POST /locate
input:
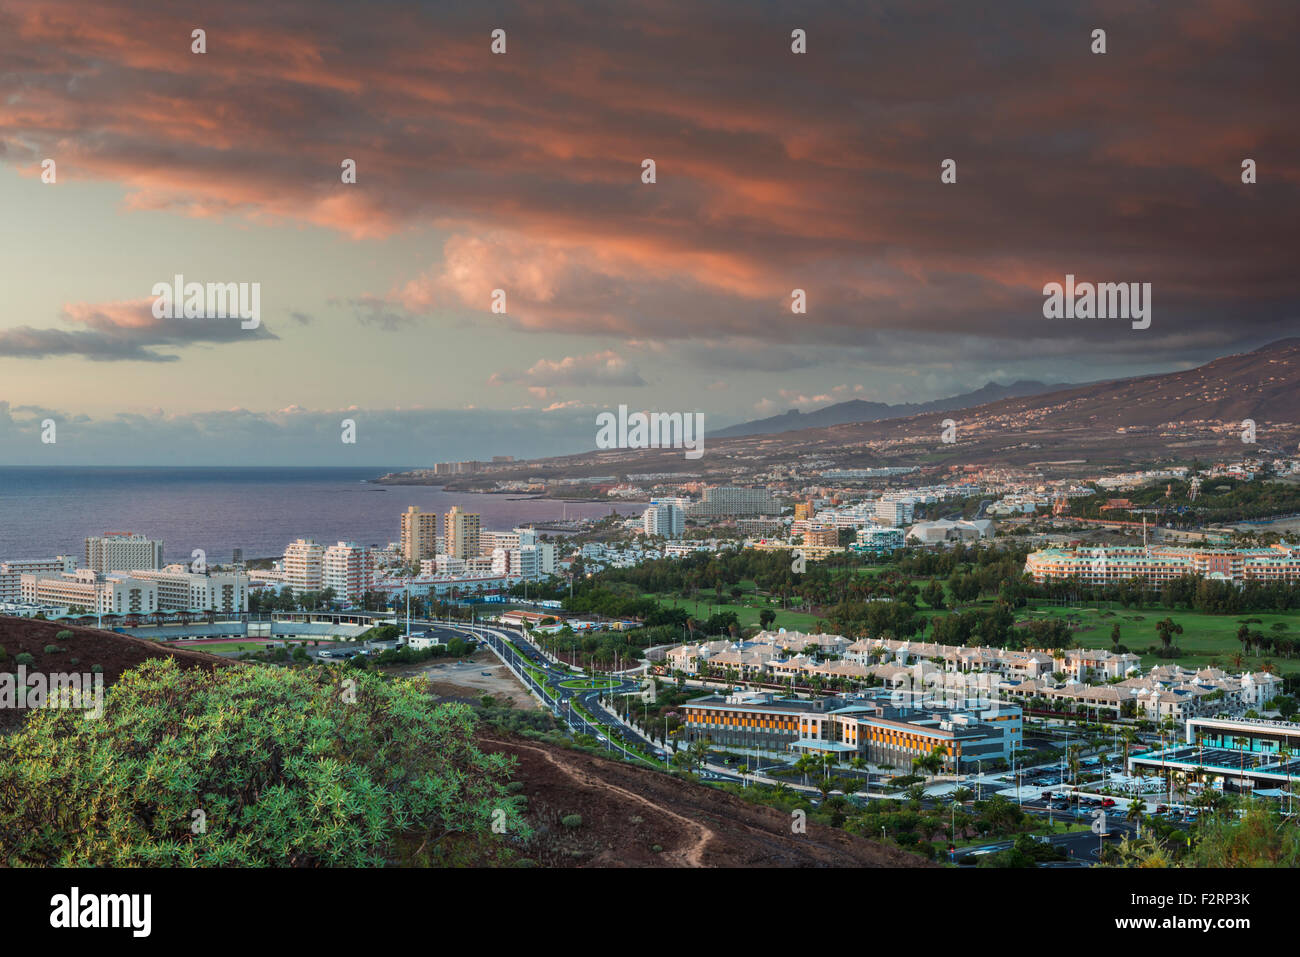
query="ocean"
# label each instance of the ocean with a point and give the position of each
(50, 511)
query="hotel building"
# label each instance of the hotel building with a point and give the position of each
(11, 573)
(1241, 754)
(97, 593)
(725, 500)
(869, 726)
(122, 551)
(189, 591)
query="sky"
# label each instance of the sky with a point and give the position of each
(523, 171)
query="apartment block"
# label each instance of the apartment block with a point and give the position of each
(664, 520)
(419, 534)
(461, 533)
(304, 565)
(349, 569)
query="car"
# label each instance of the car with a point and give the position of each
(486, 674)
(1108, 802)
(1161, 808)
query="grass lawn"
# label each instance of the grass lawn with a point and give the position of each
(746, 612)
(217, 646)
(1204, 636)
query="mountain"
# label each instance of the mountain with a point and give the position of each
(860, 410)
(1171, 417)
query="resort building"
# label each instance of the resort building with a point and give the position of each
(1103, 566)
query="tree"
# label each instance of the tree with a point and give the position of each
(1166, 629)
(262, 748)
(765, 618)
(699, 752)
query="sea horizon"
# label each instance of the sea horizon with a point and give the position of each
(47, 511)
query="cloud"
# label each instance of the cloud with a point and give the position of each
(122, 331)
(297, 434)
(605, 368)
(775, 171)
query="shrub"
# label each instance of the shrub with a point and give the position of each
(74, 661)
(3, 654)
(97, 669)
(64, 635)
(53, 649)
(288, 773)
(572, 821)
(24, 658)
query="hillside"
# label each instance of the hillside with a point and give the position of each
(627, 811)
(860, 410)
(86, 648)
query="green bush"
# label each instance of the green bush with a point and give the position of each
(287, 770)
(572, 821)
(64, 635)
(24, 658)
(3, 654)
(97, 669)
(54, 649)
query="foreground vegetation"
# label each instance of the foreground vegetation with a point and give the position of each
(248, 766)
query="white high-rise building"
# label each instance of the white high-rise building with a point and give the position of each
(527, 561)
(668, 521)
(419, 534)
(349, 569)
(895, 512)
(122, 551)
(303, 565)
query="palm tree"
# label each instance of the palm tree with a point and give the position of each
(1135, 814)
(804, 764)
(699, 751)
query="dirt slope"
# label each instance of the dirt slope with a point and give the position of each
(626, 811)
(87, 647)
